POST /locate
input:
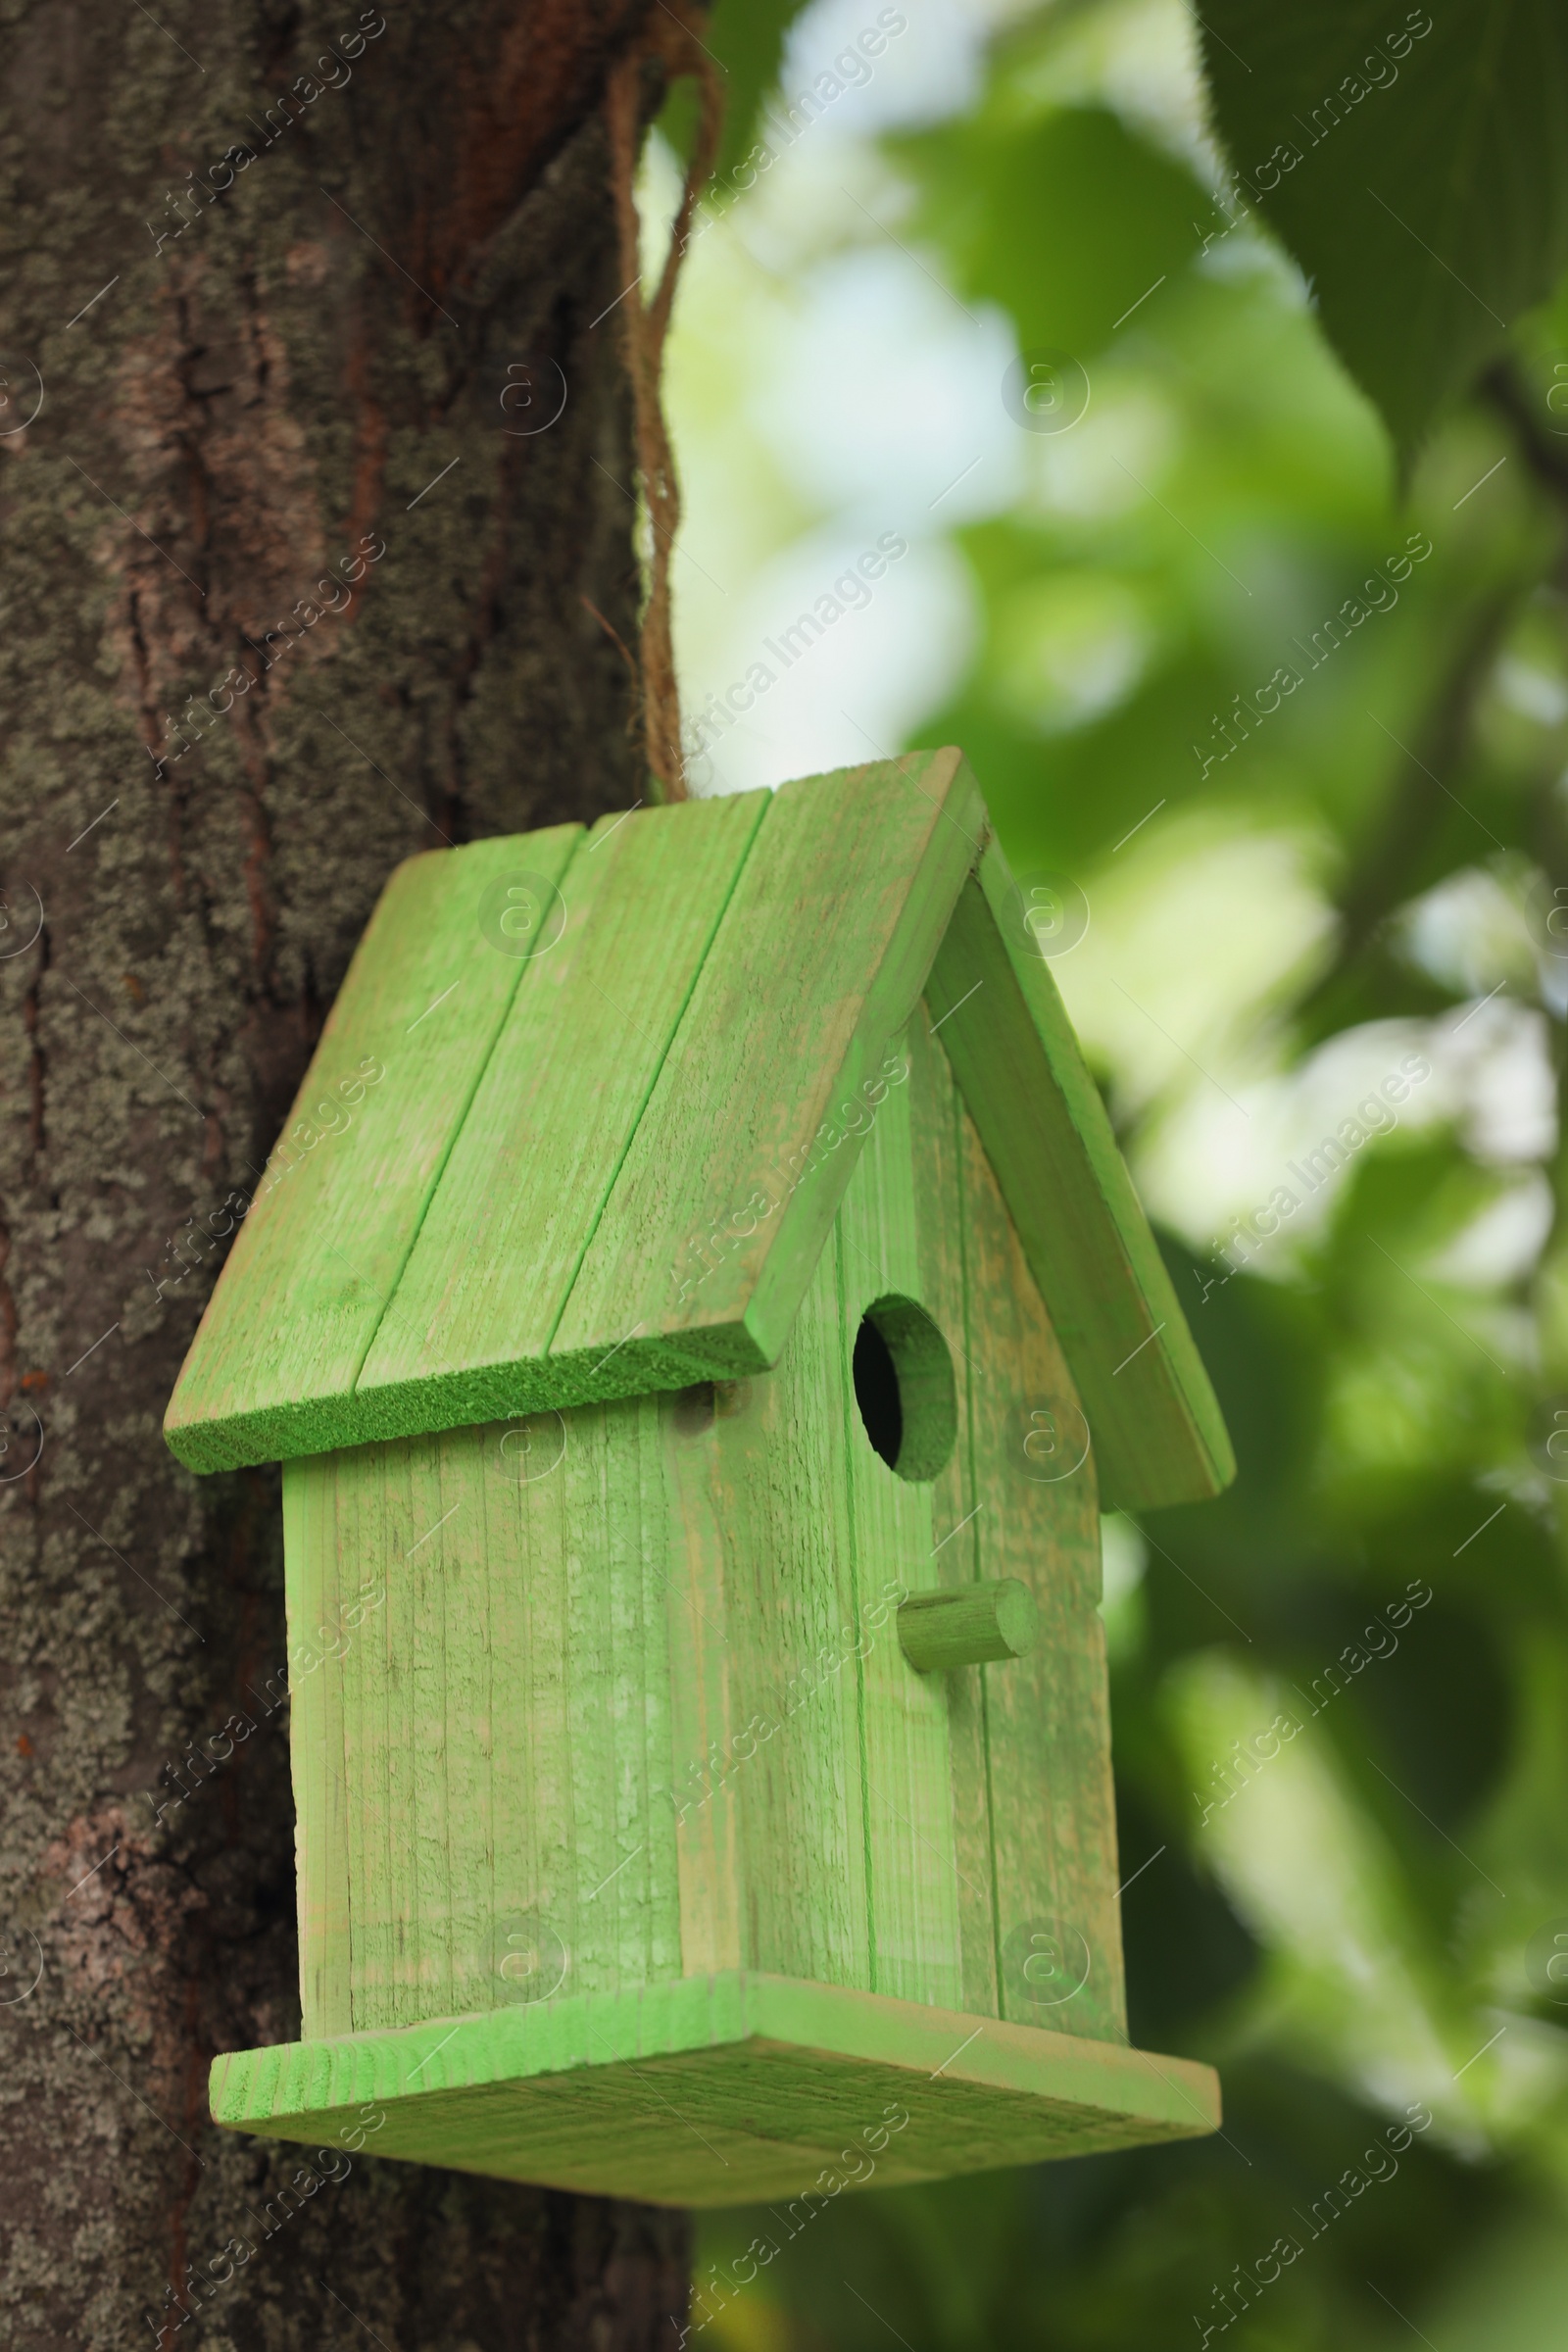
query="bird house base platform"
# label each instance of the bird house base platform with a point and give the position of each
(715, 2091)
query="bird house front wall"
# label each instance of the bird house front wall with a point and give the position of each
(615, 1696)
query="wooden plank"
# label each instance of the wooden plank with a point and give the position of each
(916, 1943)
(1157, 1433)
(716, 2091)
(372, 1745)
(621, 1923)
(709, 1742)
(523, 1545)
(720, 1213)
(271, 1368)
(480, 1755)
(381, 1517)
(323, 1872)
(794, 1769)
(1048, 1718)
(939, 1229)
(421, 1907)
(527, 1181)
(461, 1610)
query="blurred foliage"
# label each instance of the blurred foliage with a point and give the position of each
(746, 40)
(1437, 210)
(1286, 902)
(996, 191)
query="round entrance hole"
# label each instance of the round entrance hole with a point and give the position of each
(904, 1389)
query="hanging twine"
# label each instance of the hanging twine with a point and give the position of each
(670, 42)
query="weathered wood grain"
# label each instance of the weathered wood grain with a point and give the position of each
(709, 1742)
(1158, 1431)
(781, 1489)
(483, 1750)
(882, 1253)
(323, 1875)
(718, 2090)
(527, 1179)
(607, 1705)
(599, 1172)
(1048, 1721)
(730, 1185)
(574, 1180)
(938, 1631)
(271, 1369)
(954, 1497)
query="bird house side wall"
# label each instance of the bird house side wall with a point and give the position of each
(615, 1697)
(480, 1761)
(1045, 1716)
(991, 1819)
(842, 1817)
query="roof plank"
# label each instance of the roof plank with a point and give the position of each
(728, 1191)
(1156, 1426)
(544, 1178)
(526, 1184)
(271, 1371)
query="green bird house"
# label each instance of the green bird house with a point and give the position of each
(699, 1307)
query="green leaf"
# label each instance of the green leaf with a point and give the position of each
(1415, 163)
(1070, 222)
(746, 40)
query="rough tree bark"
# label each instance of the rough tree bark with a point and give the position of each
(288, 597)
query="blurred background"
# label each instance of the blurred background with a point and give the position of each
(990, 306)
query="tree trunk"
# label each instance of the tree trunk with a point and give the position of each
(301, 579)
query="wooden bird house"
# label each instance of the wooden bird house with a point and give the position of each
(698, 1304)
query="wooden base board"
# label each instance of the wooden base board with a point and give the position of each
(726, 2089)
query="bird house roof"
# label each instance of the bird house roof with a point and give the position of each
(583, 1113)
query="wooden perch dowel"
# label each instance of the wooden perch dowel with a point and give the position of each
(968, 1628)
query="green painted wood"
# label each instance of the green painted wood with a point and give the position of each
(629, 1888)
(730, 1189)
(938, 1631)
(425, 1907)
(271, 1368)
(1048, 1718)
(795, 1768)
(1157, 1433)
(527, 1181)
(912, 1868)
(480, 1756)
(316, 1631)
(676, 1204)
(614, 1701)
(954, 1513)
(572, 1183)
(715, 2091)
(709, 1741)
